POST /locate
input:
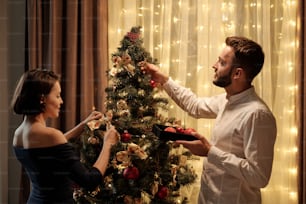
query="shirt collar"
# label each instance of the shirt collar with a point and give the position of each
(242, 95)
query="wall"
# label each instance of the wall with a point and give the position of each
(3, 105)
(12, 39)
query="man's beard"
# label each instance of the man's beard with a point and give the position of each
(226, 80)
(223, 81)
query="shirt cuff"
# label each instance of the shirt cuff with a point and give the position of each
(214, 155)
(167, 82)
(169, 85)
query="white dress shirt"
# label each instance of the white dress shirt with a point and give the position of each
(240, 160)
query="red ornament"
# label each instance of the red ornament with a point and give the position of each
(125, 137)
(162, 192)
(153, 83)
(131, 173)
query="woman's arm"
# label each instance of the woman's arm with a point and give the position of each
(111, 137)
(77, 130)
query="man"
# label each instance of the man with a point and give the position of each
(240, 153)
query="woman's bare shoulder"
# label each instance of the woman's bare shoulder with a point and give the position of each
(41, 136)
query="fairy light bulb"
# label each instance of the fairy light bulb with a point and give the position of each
(293, 195)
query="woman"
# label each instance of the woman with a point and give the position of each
(52, 163)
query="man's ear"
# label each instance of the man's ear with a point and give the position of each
(238, 72)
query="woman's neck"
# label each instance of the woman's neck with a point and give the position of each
(35, 119)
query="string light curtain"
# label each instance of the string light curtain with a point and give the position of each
(187, 36)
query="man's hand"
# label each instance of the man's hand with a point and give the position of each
(154, 71)
(199, 147)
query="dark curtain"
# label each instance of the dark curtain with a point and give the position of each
(302, 74)
(70, 38)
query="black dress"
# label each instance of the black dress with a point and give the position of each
(53, 170)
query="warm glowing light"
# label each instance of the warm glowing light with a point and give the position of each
(227, 7)
(290, 111)
(293, 171)
(200, 28)
(293, 88)
(293, 130)
(178, 81)
(224, 17)
(206, 86)
(294, 149)
(292, 44)
(293, 195)
(292, 23)
(175, 19)
(290, 2)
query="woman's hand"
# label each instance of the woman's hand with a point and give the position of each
(77, 130)
(111, 136)
(94, 115)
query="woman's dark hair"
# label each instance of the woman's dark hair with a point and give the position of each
(248, 55)
(31, 88)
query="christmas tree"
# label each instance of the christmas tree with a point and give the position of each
(142, 168)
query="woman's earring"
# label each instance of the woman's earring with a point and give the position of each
(42, 104)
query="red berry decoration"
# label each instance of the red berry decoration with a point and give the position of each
(153, 83)
(131, 173)
(162, 192)
(125, 137)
